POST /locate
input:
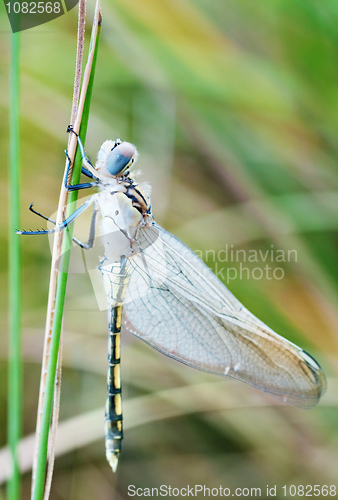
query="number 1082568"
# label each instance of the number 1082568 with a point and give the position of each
(34, 7)
(309, 490)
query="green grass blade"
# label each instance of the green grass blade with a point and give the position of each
(15, 362)
(59, 302)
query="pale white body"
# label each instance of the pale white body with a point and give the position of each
(119, 224)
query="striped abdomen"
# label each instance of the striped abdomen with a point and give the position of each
(113, 415)
(115, 279)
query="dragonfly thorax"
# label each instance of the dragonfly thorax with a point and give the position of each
(119, 224)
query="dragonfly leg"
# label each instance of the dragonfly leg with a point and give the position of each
(113, 414)
(91, 237)
(77, 187)
(40, 215)
(88, 174)
(66, 222)
(85, 160)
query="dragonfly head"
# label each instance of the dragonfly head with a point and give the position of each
(120, 158)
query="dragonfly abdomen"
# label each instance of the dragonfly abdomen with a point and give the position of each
(115, 279)
(113, 413)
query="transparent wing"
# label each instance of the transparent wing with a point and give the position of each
(176, 304)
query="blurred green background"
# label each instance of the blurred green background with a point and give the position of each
(234, 109)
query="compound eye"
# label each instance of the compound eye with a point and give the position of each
(120, 158)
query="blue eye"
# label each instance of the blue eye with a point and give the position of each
(120, 158)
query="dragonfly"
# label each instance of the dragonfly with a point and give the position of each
(162, 292)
